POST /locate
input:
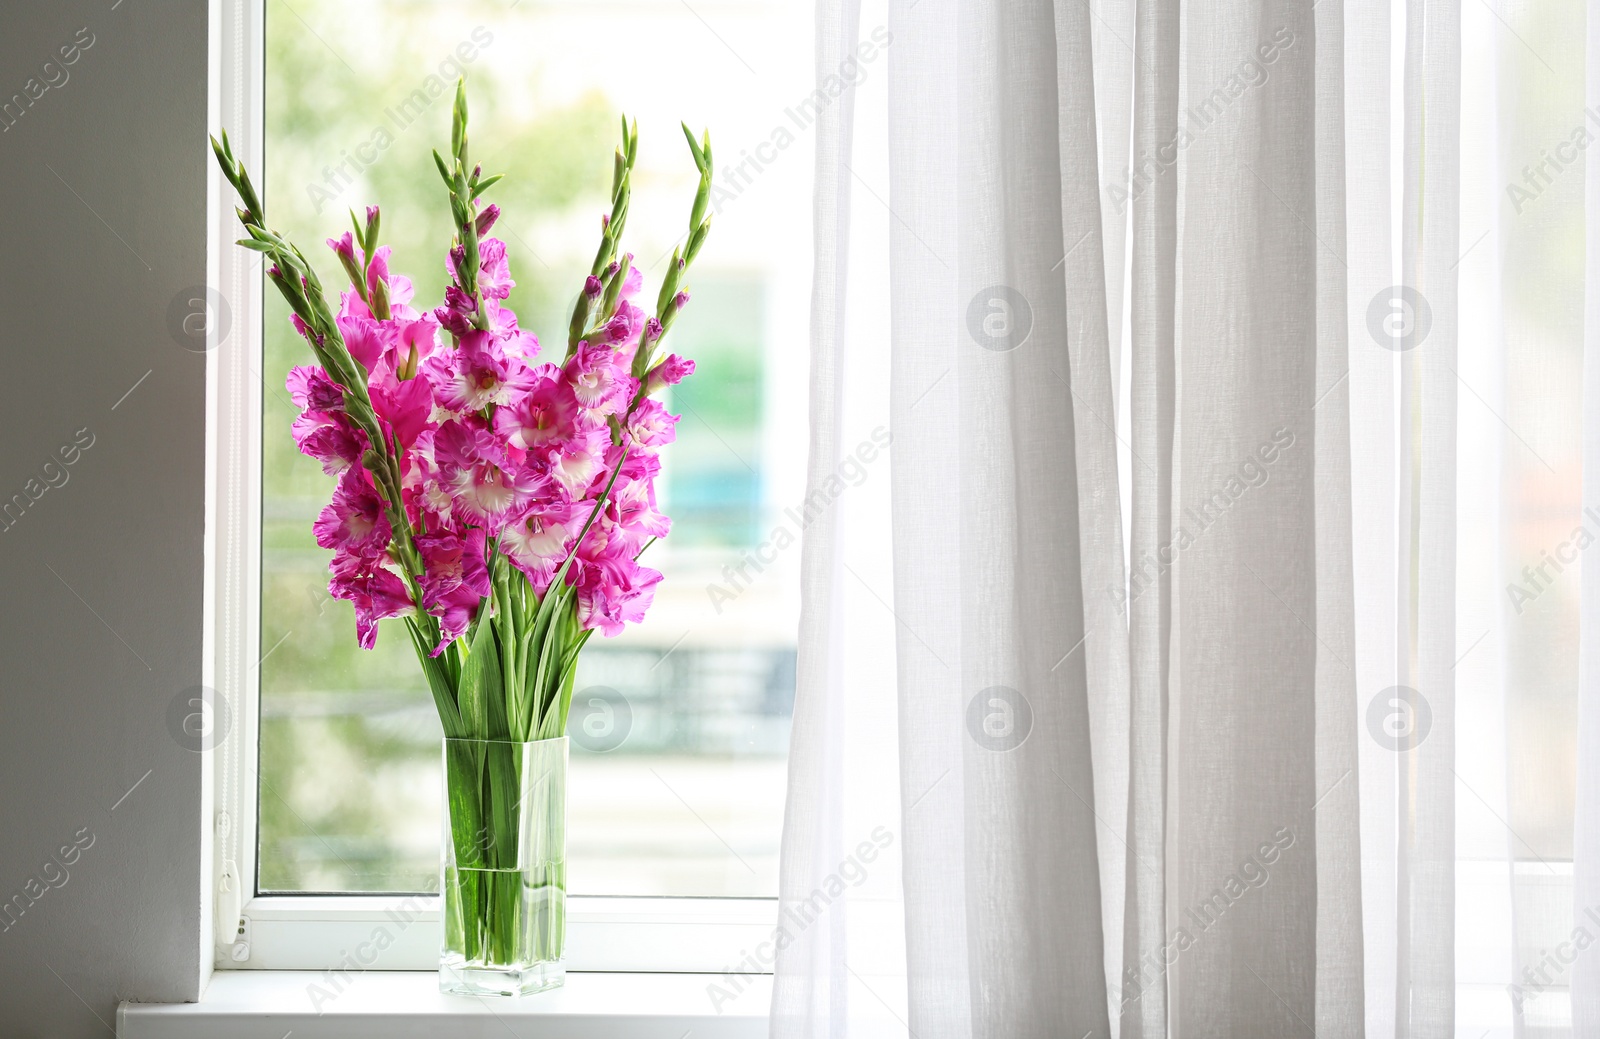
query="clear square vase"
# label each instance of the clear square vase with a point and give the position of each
(503, 869)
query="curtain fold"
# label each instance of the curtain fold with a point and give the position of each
(1430, 248)
(1242, 761)
(1142, 995)
(809, 993)
(1340, 999)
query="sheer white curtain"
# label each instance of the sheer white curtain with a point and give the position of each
(1127, 704)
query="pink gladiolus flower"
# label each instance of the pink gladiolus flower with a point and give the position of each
(425, 495)
(311, 389)
(519, 345)
(597, 381)
(353, 521)
(474, 468)
(474, 375)
(622, 332)
(454, 580)
(580, 462)
(494, 274)
(415, 342)
(399, 286)
(640, 465)
(453, 560)
(456, 314)
(404, 406)
(330, 439)
(650, 424)
(669, 372)
(612, 597)
(633, 510)
(366, 338)
(624, 326)
(376, 594)
(537, 541)
(345, 247)
(489, 445)
(633, 282)
(547, 414)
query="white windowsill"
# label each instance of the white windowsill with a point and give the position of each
(409, 1005)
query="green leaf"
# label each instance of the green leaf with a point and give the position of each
(569, 671)
(458, 120)
(437, 673)
(694, 146)
(463, 785)
(481, 687)
(549, 652)
(486, 183)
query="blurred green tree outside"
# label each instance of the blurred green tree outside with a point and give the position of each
(354, 105)
(323, 120)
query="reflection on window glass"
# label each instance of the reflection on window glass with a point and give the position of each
(680, 726)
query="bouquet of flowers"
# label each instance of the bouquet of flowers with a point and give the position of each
(495, 499)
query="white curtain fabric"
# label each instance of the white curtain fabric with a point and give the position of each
(1164, 683)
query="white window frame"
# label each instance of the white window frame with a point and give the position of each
(342, 931)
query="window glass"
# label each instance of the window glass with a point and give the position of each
(680, 726)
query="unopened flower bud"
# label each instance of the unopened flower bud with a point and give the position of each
(680, 300)
(652, 330)
(344, 246)
(671, 371)
(487, 218)
(591, 286)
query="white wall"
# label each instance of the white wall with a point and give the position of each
(102, 192)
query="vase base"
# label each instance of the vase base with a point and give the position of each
(461, 979)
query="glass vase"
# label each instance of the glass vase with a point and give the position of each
(503, 869)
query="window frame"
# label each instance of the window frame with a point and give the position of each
(310, 931)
